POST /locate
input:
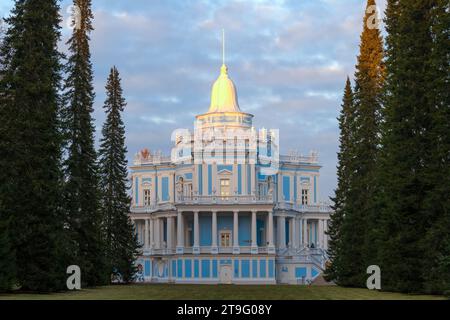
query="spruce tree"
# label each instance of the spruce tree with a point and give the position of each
(82, 194)
(406, 143)
(120, 236)
(31, 218)
(436, 244)
(335, 269)
(7, 255)
(360, 209)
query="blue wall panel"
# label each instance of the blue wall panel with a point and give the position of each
(200, 179)
(286, 188)
(136, 190)
(188, 268)
(260, 224)
(288, 231)
(236, 268)
(180, 268)
(224, 223)
(271, 269)
(174, 268)
(206, 269)
(300, 272)
(165, 189)
(147, 268)
(245, 268)
(210, 179)
(214, 268)
(205, 223)
(239, 178)
(245, 230)
(295, 188)
(255, 268)
(262, 268)
(196, 268)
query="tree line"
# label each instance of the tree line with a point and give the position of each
(62, 202)
(392, 202)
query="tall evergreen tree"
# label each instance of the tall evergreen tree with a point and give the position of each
(436, 244)
(7, 255)
(31, 218)
(412, 163)
(82, 188)
(121, 240)
(360, 212)
(336, 271)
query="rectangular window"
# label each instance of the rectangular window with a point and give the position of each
(225, 238)
(187, 190)
(224, 187)
(147, 197)
(305, 199)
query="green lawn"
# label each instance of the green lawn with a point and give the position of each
(219, 292)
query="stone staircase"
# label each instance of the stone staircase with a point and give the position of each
(320, 281)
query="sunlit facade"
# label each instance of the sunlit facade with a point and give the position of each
(225, 207)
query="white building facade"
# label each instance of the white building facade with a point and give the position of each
(225, 207)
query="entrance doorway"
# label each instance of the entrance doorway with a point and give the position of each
(225, 274)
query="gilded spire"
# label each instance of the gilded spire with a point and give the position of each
(223, 93)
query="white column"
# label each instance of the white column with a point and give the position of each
(196, 248)
(214, 248)
(254, 248)
(305, 232)
(253, 177)
(270, 227)
(236, 232)
(157, 233)
(151, 237)
(326, 236)
(146, 234)
(320, 235)
(161, 232)
(169, 231)
(281, 232)
(294, 233)
(180, 232)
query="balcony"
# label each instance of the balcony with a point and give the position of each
(205, 250)
(237, 199)
(321, 208)
(153, 207)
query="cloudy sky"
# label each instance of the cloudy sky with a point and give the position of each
(288, 58)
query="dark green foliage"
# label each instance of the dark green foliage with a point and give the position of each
(344, 170)
(31, 218)
(82, 194)
(437, 169)
(414, 171)
(356, 213)
(120, 237)
(394, 210)
(7, 257)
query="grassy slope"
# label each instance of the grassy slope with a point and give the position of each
(219, 292)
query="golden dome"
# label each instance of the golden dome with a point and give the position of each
(223, 94)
